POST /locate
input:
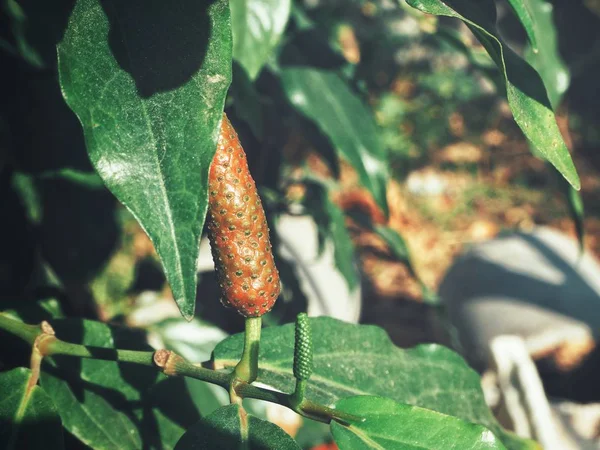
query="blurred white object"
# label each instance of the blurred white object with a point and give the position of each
(523, 393)
(555, 425)
(426, 183)
(534, 285)
(323, 285)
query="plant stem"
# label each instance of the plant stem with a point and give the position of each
(298, 395)
(247, 369)
(44, 343)
(26, 332)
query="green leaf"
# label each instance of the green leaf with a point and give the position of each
(331, 225)
(109, 405)
(395, 242)
(390, 425)
(354, 360)
(85, 179)
(257, 27)
(547, 60)
(400, 250)
(522, 10)
(230, 428)
(246, 101)
(576, 210)
(325, 98)
(19, 25)
(525, 90)
(28, 418)
(148, 82)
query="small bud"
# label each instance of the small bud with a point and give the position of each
(303, 350)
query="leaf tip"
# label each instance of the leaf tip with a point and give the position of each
(186, 308)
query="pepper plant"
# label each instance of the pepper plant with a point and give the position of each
(148, 81)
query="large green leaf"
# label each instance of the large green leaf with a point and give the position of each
(148, 82)
(354, 360)
(109, 405)
(394, 426)
(231, 428)
(257, 26)
(322, 96)
(525, 89)
(28, 418)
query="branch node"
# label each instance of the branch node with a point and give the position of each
(167, 361)
(47, 328)
(161, 357)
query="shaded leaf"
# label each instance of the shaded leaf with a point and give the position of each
(18, 22)
(110, 405)
(84, 179)
(400, 250)
(17, 243)
(325, 98)
(36, 27)
(547, 60)
(148, 82)
(28, 418)
(354, 360)
(91, 418)
(395, 242)
(576, 210)
(230, 428)
(331, 227)
(392, 425)
(246, 101)
(525, 90)
(522, 10)
(257, 26)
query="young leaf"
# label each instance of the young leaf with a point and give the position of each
(18, 23)
(361, 360)
(400, 250)
(230, 428)
(331, 225)
(547, 60)
(525, 90)
(28, 418)
(109, 405)
(395, 426)
(522, 10)
(246, 100)
(148, 82)
(257, 26)
(325, 98)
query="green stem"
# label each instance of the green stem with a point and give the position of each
(175, 365)
(298, 395)
(26, 332)
(247, 369)
(58, 347)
